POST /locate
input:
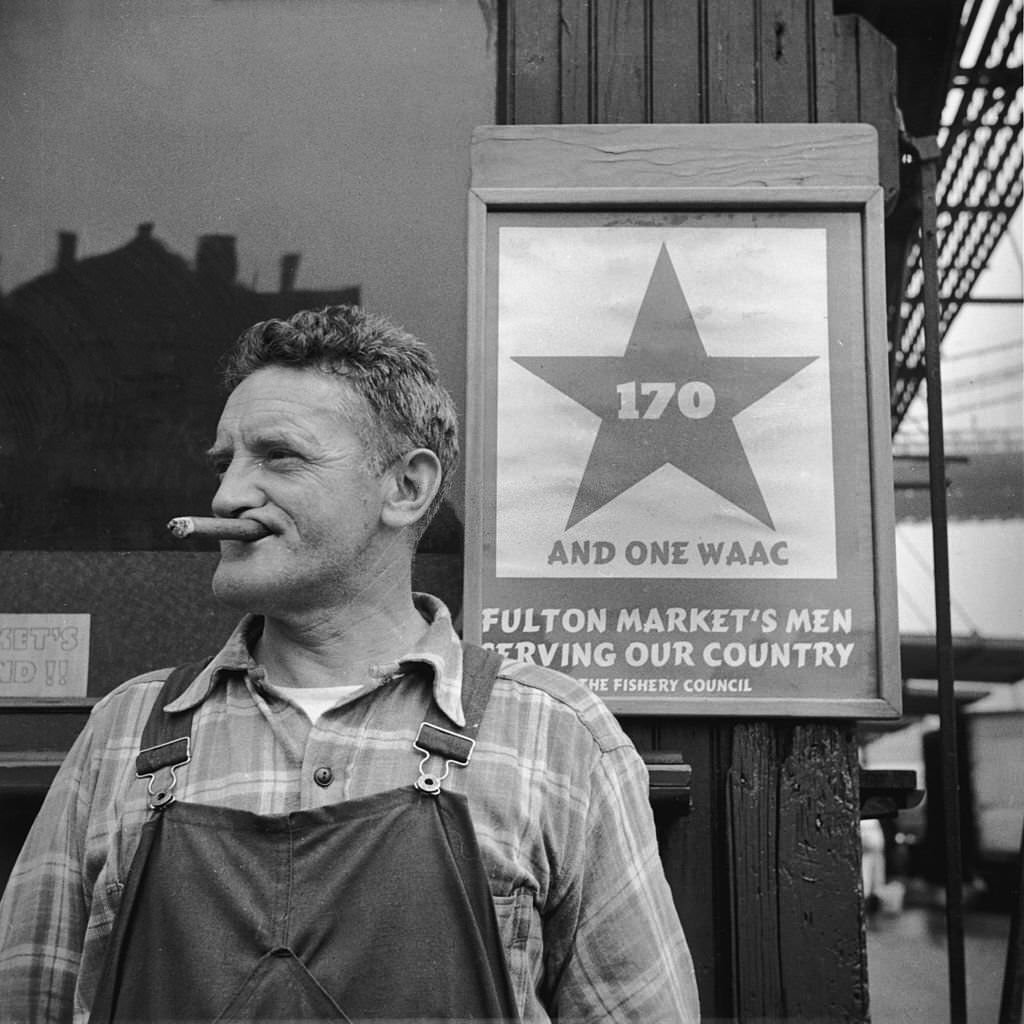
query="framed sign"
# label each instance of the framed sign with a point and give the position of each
(679, 478)
(44, 656)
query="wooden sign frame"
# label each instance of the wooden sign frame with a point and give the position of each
(764, 588)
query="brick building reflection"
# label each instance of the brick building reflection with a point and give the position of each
(109, 393)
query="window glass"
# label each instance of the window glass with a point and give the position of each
(173, 172)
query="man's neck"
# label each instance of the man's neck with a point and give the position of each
(347, 645)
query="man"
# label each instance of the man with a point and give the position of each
(344, 815)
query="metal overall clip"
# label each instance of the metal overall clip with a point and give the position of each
(451, 747)
(159, 763)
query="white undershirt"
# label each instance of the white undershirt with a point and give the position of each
(314, 700)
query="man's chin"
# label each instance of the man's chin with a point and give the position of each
(235, 589)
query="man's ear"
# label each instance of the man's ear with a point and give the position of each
(412, 483)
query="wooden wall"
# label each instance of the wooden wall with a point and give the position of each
(766, 868)
(697, 62)
(655, 61)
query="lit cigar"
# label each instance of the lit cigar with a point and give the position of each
(218, 529)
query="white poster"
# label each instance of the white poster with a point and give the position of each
(663, 403)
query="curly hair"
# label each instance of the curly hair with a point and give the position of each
(393, 372)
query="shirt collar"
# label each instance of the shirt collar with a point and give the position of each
(438, 652)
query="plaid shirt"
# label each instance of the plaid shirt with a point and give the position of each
(557, 793)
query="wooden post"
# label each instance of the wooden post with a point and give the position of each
(766, 868)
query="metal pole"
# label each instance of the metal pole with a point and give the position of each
(1011, 1005)
(928, 155)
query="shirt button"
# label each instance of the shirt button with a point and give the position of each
(323, 776)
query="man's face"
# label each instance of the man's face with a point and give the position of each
(289, 457)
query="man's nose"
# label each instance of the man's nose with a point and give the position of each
(238, 489)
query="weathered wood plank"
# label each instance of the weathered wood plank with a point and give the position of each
(755, 156)
(692, 848)
(751, 793)
(620, 63)
(677, 85)
(823, 58)
(793, 814)
(866, 91)
(732, 62)
(823, 966)
(847, 70)
(529, 72)
(576, 56)
(785, 62)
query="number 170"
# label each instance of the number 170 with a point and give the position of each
(694, 398)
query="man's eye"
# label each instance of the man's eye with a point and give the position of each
(278, 455)
(219, 466)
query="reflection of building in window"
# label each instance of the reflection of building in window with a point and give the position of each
(109, 391)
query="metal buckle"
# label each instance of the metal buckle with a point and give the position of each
(162, 774)
(429, 782)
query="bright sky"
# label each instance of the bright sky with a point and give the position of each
(982, 358)
(983, 396)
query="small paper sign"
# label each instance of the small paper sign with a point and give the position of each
(44, 656)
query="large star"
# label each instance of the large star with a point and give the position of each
(665, 401)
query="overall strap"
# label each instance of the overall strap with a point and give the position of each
(166, 739)
(436, 737)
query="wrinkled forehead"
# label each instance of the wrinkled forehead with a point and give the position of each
(309, 397)
(335, 385)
